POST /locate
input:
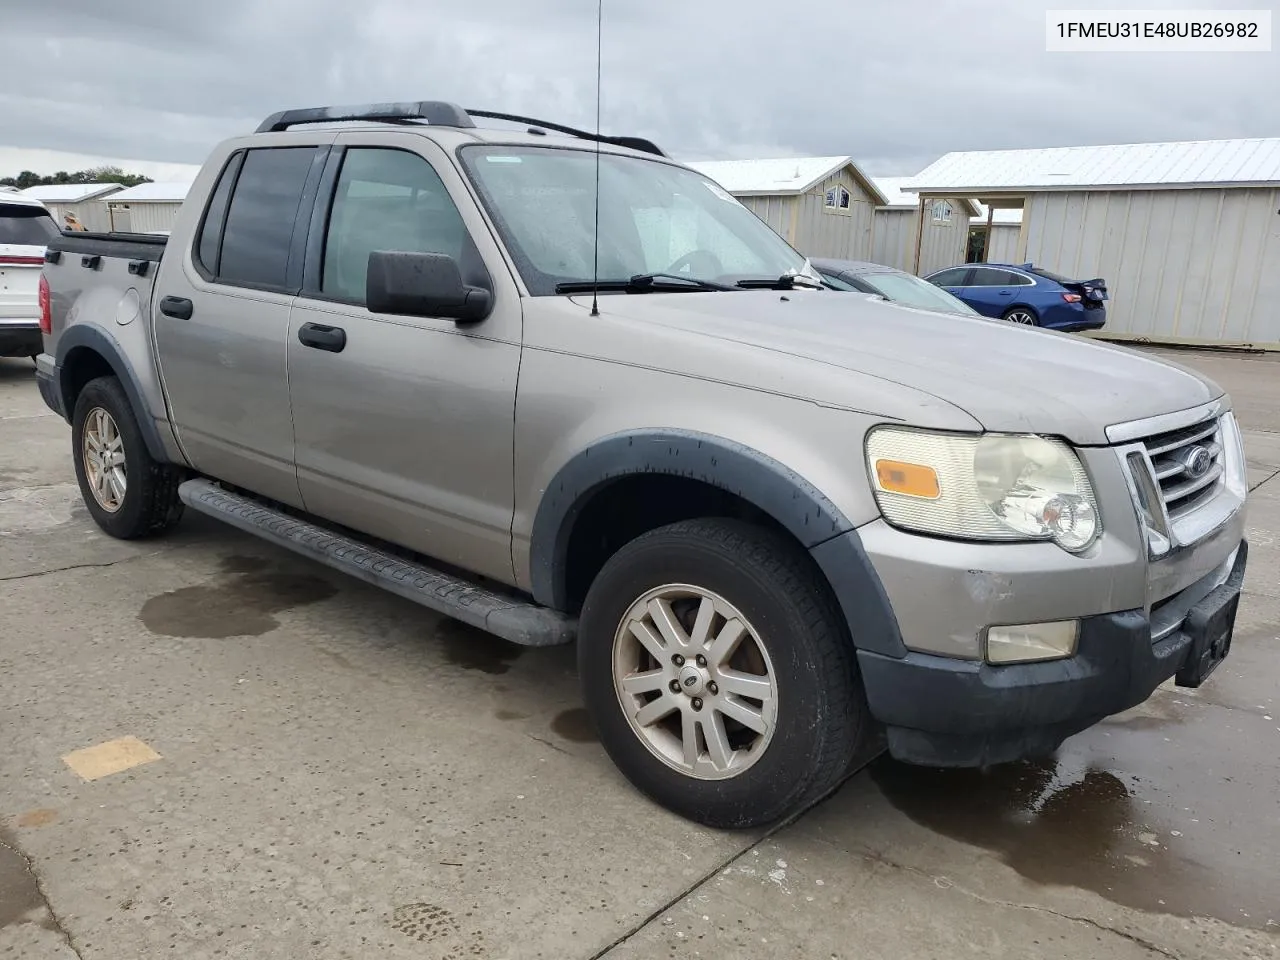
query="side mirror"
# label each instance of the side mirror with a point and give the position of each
(423, 285)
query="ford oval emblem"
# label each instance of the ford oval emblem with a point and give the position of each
(1196, 462)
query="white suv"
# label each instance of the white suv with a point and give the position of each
(25, 229)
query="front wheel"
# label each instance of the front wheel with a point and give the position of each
(129, 493)
(1022, 315)
(718, 673)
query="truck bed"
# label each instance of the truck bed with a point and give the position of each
(131, 246)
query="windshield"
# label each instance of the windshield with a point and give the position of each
(914, 292)
(24, 225)
(654, 218)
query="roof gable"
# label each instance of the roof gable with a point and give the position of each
(784, 176)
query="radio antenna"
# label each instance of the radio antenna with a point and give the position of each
(595, 253)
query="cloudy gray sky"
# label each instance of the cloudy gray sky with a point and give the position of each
(894, 84)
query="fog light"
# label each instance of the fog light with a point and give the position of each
(1025, 642)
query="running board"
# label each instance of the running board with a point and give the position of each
(506, 617)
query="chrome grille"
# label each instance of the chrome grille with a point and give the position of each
(1188, 465)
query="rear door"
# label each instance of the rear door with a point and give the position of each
(222, 319)
(990, 290)
(404, 425)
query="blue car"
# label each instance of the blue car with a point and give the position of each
(1027, 294)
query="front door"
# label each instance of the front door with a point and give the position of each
(405, 428)
(222, 321)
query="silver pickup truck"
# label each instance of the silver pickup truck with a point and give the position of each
(563, 388)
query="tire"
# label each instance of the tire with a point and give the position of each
(817, 721)
(1023, 316)
(149, 503)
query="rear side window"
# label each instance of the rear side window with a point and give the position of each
(26, 226)
(260, 220)
(215, 215)
(986, 277)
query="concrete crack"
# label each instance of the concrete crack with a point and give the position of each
(80, 566)
(1267, 480)
(44, 898)
(1035, 907)
(548, 743)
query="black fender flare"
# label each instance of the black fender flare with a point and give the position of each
(800, 507)
(93, 338)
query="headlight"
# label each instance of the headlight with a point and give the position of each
(988, 487)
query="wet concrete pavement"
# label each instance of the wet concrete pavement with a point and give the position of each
(342, 774)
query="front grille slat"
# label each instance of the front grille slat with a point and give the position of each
(1170, 454)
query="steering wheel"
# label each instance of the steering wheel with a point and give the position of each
(700, 263)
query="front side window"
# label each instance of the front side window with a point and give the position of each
(949, 278)
(389, 200)
(654, 218)
(260, 219)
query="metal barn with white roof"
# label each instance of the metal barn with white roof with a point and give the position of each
(1186, 234)
(147, 208)
(81, 200)
(897, 226)
(822, 206)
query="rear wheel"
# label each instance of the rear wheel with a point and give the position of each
(128, 492)
(718, 673)
(1022, 315)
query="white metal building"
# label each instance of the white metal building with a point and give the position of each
(1006, 227)
(1186, 235)
(894, 230)
(822, 206)
(147, 208)
(81, 200)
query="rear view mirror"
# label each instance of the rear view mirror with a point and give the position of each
(423, 285)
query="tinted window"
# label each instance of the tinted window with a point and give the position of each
(986, 277)
(215, 215)
(949, 278)
(1050, 275)
(385, 200)
(28, 226)
(255, 243)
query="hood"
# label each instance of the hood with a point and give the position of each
(1007, 377)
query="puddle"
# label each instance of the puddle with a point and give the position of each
(238, 563)
(38, 818)
(1071, 822)
(575, 725)
(20, 899)
(473, 649)
(242, 605)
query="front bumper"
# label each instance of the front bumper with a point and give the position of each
(940, 711)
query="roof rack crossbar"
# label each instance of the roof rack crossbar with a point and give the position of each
(437, 112)
(632, 143)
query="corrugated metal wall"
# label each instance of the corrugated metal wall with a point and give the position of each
(1181, 265)
(1004, 243)
(823, 232)
(894, 240)
(147, 217)
(91, 213)
(775, 211)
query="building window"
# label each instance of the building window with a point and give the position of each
(838, 198)
(941, 211)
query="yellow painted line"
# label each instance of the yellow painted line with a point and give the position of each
(114, 756)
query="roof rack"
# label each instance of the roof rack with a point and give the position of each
(632, 143)
(436, 112)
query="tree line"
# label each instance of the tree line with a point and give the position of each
(104, 174)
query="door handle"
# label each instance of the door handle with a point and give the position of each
(177, 307)
(1006, 293)
(317, 335)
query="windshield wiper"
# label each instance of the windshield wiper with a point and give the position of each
(788, 281)
(641, 283)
